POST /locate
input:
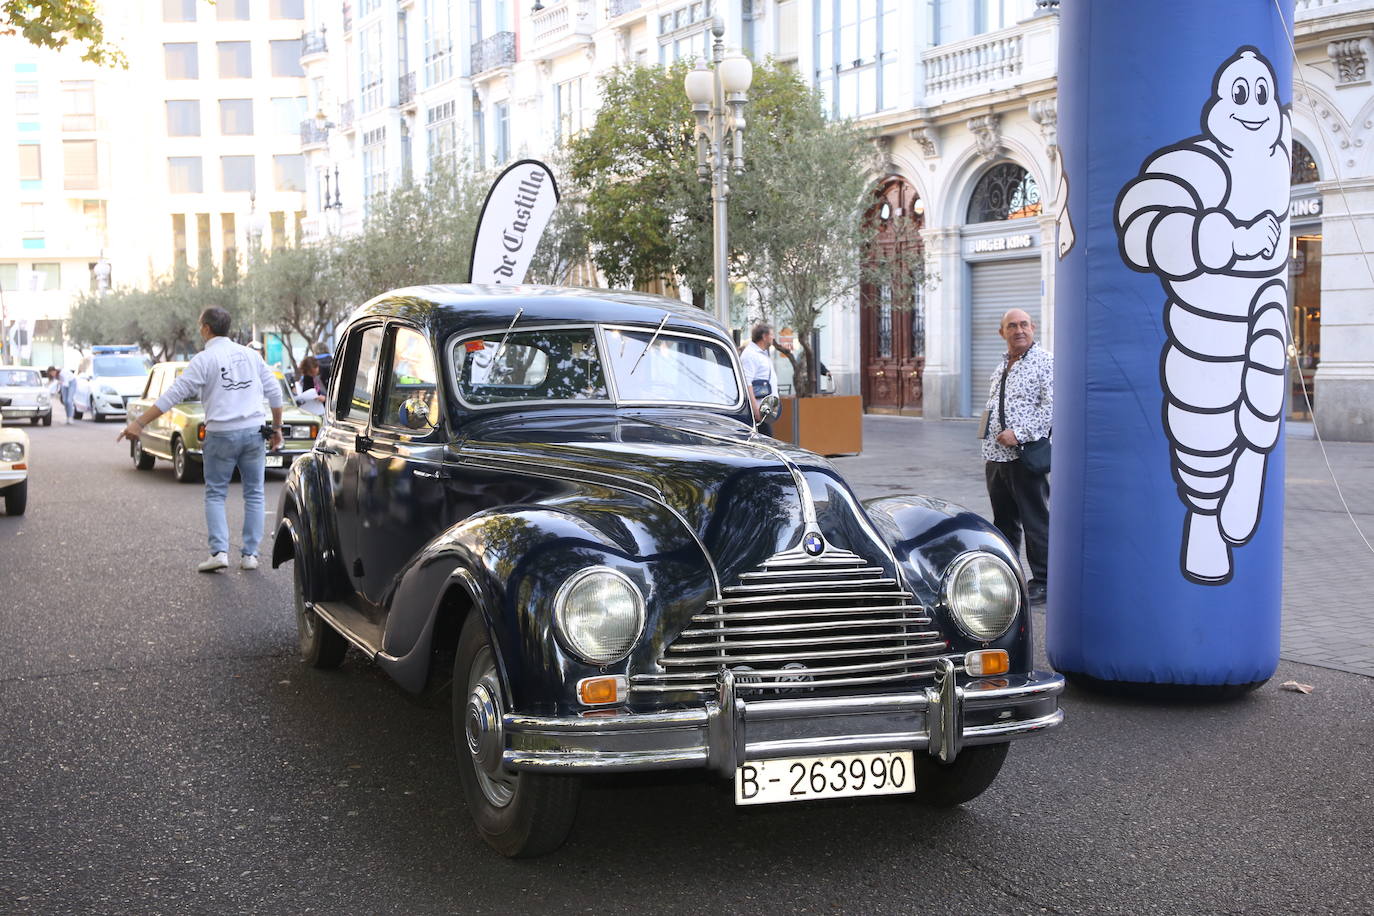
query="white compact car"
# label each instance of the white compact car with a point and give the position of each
(27, 392)
(14, 469)
(108, 379)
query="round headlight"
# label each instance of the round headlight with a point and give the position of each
(11, 451)
(600, 613)
(983, 593)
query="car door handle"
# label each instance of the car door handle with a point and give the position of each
(362, 443)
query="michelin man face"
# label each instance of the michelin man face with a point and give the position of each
(1244, 114)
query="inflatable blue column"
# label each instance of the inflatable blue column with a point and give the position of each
(1166, 544)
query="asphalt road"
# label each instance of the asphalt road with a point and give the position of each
(163, 751)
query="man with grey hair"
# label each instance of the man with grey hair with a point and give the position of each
(231, 382)
(1020, 409)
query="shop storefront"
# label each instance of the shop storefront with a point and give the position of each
(1304, 279)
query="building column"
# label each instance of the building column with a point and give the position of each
(945, 321)
(1343, 385)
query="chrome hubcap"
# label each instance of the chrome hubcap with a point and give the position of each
(482, 731)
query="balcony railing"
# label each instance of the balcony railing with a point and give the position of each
(620, 7)
(985, 63)
(312, 134)
(346, 115)
(405, 89)
(313, 43)
(493, 51)
(569, 19)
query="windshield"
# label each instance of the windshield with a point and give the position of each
(677, 369)
(19, 378)
(541, 365)
(120, 365)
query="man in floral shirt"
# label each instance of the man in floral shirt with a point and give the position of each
(1020, 410)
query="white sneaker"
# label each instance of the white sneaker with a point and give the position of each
(216, 562)
(248, 561)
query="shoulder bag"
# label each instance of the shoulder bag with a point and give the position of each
(1035, 455)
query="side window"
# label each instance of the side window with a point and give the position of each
(153, 388)
(360, 375)
(411, 399)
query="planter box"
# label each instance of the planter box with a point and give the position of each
(829, 425)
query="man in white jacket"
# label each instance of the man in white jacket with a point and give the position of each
(231, 381)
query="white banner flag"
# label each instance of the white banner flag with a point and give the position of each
(517, 210)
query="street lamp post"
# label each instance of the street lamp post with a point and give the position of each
(718, 95)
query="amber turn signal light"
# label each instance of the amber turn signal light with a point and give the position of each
(200, 432)
(987, 662)
(598, 691)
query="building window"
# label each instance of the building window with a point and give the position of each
(501, 113)
(78, 105)
(236, 117)
(79, 165)
(991, 15)
(235, 60)
(31, 219)
(438, 41)
(441, 133)
(184, 175)
(288, 172)
(50, 275)
(374, 163)
(368, 7)
(856, 55)
(182, 63)
(30, 162)
(277, 220)
(1304, 166)
(479, 140)
(287, 114)
(95, 215)
(568, 116)
(286, 57)
(1006, 191)
(179, 238)
(26, 97)
(178, 10)
(685, 32)
(232, 10)
(183, 118)
(370, 68)
(203, 250)
(238, 173)
(286, 9)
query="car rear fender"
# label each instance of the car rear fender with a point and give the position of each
(308, 539)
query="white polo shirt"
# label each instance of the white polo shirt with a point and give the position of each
(231, 382)
(756, 363)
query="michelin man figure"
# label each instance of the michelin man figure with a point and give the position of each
(1209, 217)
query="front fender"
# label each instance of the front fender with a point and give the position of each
(926, 535)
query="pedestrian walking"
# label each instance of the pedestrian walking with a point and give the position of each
(759, 373)
(231, 381)
(68, 379)
(309, 389)
(53, 382)
(1019, 412)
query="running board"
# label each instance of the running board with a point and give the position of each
(352, 625)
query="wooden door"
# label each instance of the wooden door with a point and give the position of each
(892, 314)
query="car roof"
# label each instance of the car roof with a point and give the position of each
(460, 307)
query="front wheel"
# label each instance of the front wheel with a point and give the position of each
(519, 814)
(17, 498)
(321, 644)
(47, 421)
(944, 785)
(34, 421)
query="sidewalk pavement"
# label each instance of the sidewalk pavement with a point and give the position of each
(1328, 572)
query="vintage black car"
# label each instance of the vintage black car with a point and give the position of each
(556, 501)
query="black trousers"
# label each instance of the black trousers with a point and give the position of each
(1021, 501)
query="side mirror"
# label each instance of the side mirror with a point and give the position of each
(415, 413)
(769, 408)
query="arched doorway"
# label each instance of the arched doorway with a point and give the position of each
(892, 304)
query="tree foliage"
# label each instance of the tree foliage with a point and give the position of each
(57, 23)
(295, 290)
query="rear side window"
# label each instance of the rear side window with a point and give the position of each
(361, 359)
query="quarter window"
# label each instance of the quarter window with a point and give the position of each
(412, 384)
(365, 355)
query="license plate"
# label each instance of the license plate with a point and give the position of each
(275, 461)
(766, 782)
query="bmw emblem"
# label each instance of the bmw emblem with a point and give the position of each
(813, 544)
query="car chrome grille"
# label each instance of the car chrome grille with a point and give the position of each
(799, 623)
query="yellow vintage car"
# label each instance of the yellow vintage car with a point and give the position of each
(14, 468)
(177, 435)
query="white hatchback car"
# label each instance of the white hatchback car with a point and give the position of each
(14, 469)
(108, 380)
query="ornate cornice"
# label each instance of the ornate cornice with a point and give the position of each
(987, 130)
(1045, 112)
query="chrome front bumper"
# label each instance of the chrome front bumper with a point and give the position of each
(728, 731)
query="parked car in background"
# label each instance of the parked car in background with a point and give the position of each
(27, 392)
(14, 468)
(178, 434)
(556, 502)
(108, 379)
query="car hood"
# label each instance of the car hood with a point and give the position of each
(20, 395)
(745, 497)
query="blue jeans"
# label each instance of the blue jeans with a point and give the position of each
(222, 452)
(69, 397)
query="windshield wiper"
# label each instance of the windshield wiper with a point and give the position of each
(502, 345)
(657, 331)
